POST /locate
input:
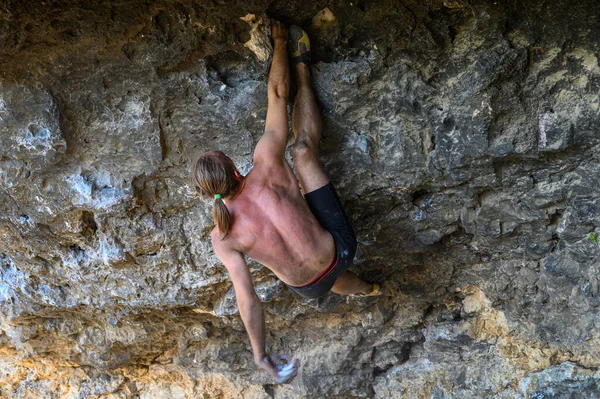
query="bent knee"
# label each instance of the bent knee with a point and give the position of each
(303, 149)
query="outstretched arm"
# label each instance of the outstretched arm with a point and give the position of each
(272, 144)
(251, 312)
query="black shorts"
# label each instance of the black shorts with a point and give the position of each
(327, 208)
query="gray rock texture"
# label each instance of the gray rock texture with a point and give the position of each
(462, 135)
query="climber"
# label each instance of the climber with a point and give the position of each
(305, 240)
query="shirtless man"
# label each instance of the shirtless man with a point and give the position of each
(305, 240)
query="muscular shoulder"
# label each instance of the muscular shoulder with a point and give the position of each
(233, 260)
(272, 171)
(220, 245)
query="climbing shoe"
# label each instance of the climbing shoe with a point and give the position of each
(378, 289)
(299, 45)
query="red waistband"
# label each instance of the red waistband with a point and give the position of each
(324, 274)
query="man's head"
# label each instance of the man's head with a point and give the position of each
(213, 172)
(215, 176)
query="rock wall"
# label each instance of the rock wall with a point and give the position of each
(463, 139)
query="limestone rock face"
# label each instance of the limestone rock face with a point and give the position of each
(462, 136)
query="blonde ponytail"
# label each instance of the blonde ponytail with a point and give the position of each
(213, 175)
(221, 216)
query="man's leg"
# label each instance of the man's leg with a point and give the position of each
(349, 283)
(307, 126)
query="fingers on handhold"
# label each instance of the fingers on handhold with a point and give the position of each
(286, 374)
(285, 370)
(288, 368)
(284, 367)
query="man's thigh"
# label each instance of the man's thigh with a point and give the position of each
(309, 169)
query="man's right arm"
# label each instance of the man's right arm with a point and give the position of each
(271, 146)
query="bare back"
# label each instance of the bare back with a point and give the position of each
(273, 225)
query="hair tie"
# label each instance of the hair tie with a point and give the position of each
(217, 196)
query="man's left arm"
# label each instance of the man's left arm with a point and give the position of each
(251, 311)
